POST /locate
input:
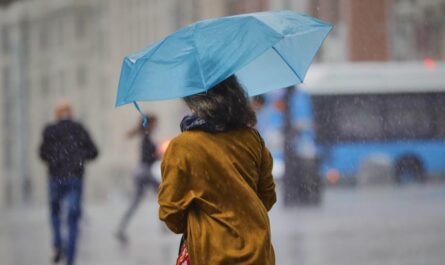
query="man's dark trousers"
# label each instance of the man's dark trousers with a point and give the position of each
(65, 190)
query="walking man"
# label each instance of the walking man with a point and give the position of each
(65, 148)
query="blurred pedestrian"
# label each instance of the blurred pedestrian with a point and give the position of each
(217, 183)
(66, 147)
(143, 177)
(258, 102)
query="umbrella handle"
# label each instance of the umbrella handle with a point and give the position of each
(145, 123)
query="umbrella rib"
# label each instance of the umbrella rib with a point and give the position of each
(197, 58)
(140, 67)
(288, 65)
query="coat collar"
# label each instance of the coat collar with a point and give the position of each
(192, 122)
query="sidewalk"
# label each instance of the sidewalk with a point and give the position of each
(354, 226)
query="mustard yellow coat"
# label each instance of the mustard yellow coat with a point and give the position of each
(217, 189)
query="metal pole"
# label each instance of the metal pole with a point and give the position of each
(290, 174)
(23, 119)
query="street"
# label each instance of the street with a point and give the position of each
(378, 225)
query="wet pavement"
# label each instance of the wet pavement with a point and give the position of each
(380, 225)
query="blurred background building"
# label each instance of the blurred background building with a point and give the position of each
(73, 49)
(382, 30)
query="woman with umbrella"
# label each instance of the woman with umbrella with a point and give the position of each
(216, 175)
(217, 181)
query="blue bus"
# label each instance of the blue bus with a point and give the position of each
(366, 120)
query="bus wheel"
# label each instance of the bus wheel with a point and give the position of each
(408, 169)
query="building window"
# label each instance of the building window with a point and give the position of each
(62, 83)
(43, 36)
(5, 36)
(81, 27)
(82, 76)
(44, 84)
(334, 7)
(6, 80)
(186, 12)
(7, 123)
(60, 33)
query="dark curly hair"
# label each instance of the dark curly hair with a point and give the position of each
(226, 103)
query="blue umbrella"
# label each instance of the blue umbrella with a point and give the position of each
(265, 50)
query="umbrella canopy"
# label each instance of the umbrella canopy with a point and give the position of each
(265, 50)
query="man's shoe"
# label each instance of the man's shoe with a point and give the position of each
(58, 255)
(121, 237)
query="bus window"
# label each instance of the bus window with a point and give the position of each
(324, 119)
(347, 118)
(358, 118)
(408, 117)
(439, 116)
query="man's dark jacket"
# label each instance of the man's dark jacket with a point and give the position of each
(65, 148)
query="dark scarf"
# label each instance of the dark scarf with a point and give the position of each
(192, 122)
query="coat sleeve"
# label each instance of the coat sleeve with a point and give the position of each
(175, 195)
(46, 147)
(266, 184)
(89, 148)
